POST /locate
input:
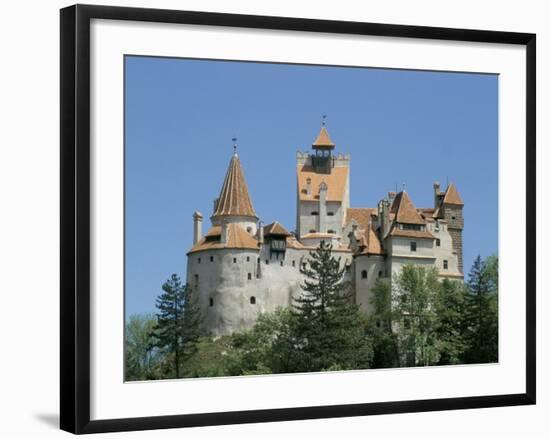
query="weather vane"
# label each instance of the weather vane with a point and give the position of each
(234, 139)
(324, 122)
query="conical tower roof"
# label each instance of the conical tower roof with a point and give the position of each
(234, 197)
(452, 196)
(323, 140)
(404, 210)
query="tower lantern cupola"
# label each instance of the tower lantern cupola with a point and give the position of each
(323, 146)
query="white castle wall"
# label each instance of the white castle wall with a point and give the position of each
(375, 267)
(227, 283)
(445, 250)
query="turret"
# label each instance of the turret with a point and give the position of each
(323, 146)
(234, 204)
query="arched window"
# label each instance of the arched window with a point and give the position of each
(252, 300)
(211, 302)
(364, 274)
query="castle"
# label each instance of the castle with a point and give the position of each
(242, 267)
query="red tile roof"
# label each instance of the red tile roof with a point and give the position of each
(452, 196)
(237, 238)
(404, 210)
(234, 198)
(323, 140)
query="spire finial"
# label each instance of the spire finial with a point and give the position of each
(234, 139)
(403, 186)
(324, 120)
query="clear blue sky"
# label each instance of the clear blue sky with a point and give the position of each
(399, 126)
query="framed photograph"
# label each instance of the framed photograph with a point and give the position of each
(275, 218)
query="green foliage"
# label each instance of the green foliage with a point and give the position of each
(450, 308)
(482, 312)
(379, 327)
(421, 321)
(415, 318)
(417, 321)
(178, 327)
(141, 359)
(328, 327)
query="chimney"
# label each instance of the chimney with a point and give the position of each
(437, 187)
(197, 227)
(261, 232)
(384, 217)
(308, 187)
(223, 237)
(323, 188)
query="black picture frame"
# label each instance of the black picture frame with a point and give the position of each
(75, 217)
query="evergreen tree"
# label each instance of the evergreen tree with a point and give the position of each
(482, 312)
(450, 308)
(179, 322)
(328, 327)
(380, 327)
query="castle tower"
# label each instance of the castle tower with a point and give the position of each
(322, 192)
(234, 204)
(451, 210)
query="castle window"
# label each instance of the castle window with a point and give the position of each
(234, 260)
(294, 263)
(330, 213)
(312, 231)
(379, 274)
(267, 262)
(249, 276)
(445, 264)
(438, 242)
(314, 213)
(411, 227)
(304, 265)
(252, 300)
(249, 229)
(211, 302)
(211, 258)
(413, 246)
(199, 260)
(331, 231)
(281, 263)
(196, 280)
(364, 274)
(453, 217)
(248, 259)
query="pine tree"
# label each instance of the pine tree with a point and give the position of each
(380, 324)
(179, 322)
(329, 328)
(450, 308)
(482, 312)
